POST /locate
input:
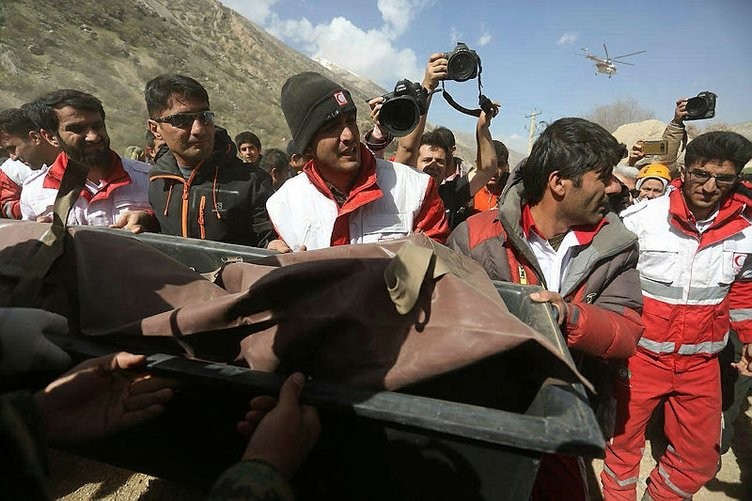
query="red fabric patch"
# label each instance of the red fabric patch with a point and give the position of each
(584, 233)
(117, 177)
(364, 191)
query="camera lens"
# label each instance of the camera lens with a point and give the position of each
(696, 106)
(399, 115)
(462, 66)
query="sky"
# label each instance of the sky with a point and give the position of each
(531, 51)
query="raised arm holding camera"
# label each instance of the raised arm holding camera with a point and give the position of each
(436, 71)
(456, 187)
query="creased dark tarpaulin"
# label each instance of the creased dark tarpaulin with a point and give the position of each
(328, 313)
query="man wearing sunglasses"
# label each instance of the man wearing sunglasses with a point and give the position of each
(114, 193)
(695, 270)
(199, 188)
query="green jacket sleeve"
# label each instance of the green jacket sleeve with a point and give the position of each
(251, 480)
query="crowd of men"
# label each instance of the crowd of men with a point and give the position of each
(649, 270)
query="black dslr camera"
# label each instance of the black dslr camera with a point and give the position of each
(403, 107)
(701, 107)
(462, 63)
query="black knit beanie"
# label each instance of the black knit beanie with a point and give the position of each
(309, 101)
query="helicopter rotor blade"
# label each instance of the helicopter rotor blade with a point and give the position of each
(630, 54)
(622, 62)
(605, 49)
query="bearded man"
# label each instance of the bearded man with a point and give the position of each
(115, 191)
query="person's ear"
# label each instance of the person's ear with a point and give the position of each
(50, 137)
(556, 183)
(154, 128)
(35, 137)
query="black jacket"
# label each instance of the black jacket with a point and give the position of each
(223, 200)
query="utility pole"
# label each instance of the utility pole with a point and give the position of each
(532, 129)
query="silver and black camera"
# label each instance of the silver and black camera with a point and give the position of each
(462, 63)
(701, 107)
(403, 107)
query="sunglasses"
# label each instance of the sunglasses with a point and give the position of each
(702, 177)
(183, 120)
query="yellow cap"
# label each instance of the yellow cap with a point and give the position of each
(655, 170)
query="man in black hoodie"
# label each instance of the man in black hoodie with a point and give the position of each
(198, 186)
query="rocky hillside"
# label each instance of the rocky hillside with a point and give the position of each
(111, 48)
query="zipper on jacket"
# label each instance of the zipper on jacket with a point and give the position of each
(186, 194)
(522, 273)
(201, 218)
(184, 207)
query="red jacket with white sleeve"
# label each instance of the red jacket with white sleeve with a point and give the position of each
(695, 285)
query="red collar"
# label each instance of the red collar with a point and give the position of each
(364, 191)
(726, 223)
(115, 179)
(584, 233)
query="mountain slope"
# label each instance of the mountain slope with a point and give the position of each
(112, 48)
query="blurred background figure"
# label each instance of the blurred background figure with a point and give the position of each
(652, 181)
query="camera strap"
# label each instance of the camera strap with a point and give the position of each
(484, 103)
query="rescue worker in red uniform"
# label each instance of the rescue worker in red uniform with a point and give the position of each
(696, 275)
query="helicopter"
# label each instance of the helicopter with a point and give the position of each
(607, 65)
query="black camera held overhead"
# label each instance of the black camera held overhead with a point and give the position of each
(464, 64)
(402, 108)
(701, 107)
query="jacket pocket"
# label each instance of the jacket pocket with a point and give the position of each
(658, 265)
(381, 227)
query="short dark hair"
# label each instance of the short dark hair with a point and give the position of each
(274, 159)
(247, 137)
(447, 136)
(721, 146)
(573, 146)
(159, 90)
(42, 109)
(435, 139)
(15, 122)
(502, 152)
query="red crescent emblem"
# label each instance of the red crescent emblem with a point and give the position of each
(739, 261)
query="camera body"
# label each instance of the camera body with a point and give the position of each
(462, 63)
(402, 108)
(701, 107)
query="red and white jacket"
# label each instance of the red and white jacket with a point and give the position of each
(695, 286)
(388, 201)
(125, 189)
(13, 174)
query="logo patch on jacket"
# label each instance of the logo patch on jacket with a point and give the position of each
(738, 262)
(340, 97)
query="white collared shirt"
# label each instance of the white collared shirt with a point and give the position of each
(554, 263)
